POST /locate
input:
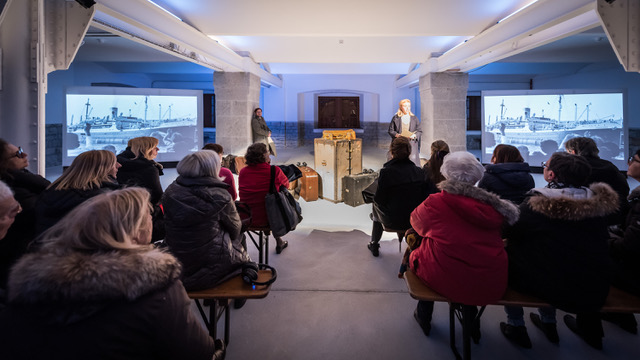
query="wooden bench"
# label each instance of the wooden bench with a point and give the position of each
(617, 301)
(260, 238)
(221, 296)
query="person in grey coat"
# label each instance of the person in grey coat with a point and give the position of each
(261, 131)
(203, 227)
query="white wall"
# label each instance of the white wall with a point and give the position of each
(281, 104)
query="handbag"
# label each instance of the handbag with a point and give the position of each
(283, 211)
(272, 146)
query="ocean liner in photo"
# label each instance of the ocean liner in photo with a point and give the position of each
(545, 129)
(106, 127)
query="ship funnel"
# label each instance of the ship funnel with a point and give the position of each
(527, 112)
(114, 112)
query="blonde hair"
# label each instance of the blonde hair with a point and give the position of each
(202, 163)
(400, 113)
(87, 171)
(109, 221)
(143, 146)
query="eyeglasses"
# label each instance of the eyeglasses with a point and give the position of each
(544, 164)
(632, 159)
(19, 154)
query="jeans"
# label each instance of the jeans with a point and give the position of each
(515, 315)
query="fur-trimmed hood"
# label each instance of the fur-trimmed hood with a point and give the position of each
(598, 200)
(634, 194)
(504, 207)
(88, 278)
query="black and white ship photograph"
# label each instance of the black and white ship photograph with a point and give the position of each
(540, 124)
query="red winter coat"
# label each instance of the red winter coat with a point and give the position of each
(253, 185)
(462, 256)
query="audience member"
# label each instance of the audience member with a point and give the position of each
(225, 174)
(439, 149)
(26, 187)
(253, 184)
(91, 173)
(401, 187)
(507, 175)
(624, 248)
(139, 167)
(96, 289)
(202, 224)
(558, 252)
(9, 208)
(602, 171)
(462, 254)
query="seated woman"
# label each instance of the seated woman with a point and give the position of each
(225, 174)
(26, 187)
(102, 291)
(439, 149)
(253, 183)
(401, 187)
(139, 167)
(507, 175)
(202, 224)
(91, 173)
(462, 255)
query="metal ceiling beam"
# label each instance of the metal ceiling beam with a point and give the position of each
(621, 23)
(141, 21)
(539, 24)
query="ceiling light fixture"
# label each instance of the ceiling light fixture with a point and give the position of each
(165, 10)
(517, 11)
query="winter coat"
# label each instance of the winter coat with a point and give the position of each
(401, 188)
(604, 171)
(140, 172)
(260, 130)
(253, 184)
(558, 248)
(53, 205)
(203, 231)
(118, 304)
(229, 180)
(26, 187)
(462, 255)
(510, 181)
(624, 248)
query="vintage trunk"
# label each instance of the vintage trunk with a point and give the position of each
(352, 186)
(335, 159)
(308, 183)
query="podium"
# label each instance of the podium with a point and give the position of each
(334, 159)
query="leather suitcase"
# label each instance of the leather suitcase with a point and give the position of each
(333, 160)
(239, 163)
(308, 183)
(352, 186)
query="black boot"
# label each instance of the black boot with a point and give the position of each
(374, 247)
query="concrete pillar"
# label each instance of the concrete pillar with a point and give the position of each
(443, 99)
(237, 94)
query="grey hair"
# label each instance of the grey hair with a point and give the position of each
(462, 166)
(5, 191)
(202, 163)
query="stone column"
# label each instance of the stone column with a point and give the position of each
(237, 94)
(443, 99)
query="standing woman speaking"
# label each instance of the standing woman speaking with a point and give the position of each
(405, 123)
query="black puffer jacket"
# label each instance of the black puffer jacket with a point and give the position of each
(604, 171)
(402, 186)
(510, 181)
(140, 172)
(26, 187)
(53, 205)
(203, 230)
(118, 304)
(624, 248)
(558, 248)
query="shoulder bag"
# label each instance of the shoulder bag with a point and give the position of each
(283, 211)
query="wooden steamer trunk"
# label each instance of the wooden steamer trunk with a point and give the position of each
(334, 159)
(352, 186)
